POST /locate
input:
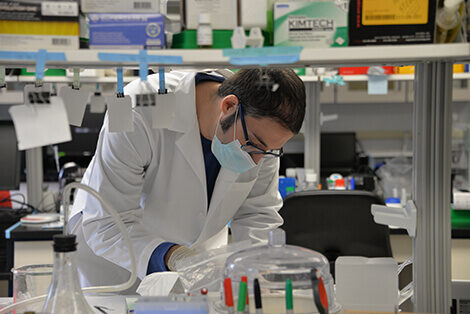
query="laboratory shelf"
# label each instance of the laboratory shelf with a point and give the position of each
(203, 58)
(127, 79)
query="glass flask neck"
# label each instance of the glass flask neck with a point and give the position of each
(65, 294)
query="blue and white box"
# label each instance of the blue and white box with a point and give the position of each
(126, 31)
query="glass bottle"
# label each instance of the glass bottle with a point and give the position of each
(65, 294)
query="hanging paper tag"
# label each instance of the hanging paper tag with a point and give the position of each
(163, 114)
(97, 104)
(120, 117)
(377, 85)
(75, 101)
(41, 124)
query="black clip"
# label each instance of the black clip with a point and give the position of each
(39, 97)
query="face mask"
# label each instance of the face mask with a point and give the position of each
(230, 155)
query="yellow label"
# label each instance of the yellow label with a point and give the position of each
(394, 12)
(39, 28)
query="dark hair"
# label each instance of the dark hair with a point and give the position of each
(286, 104)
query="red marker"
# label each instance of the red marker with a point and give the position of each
(247, 308)
(228, 294)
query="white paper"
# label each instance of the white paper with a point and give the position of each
(157, 284)
(97, 104)
(38, 125)
(75, 101)
(163, 114)
(120, 116)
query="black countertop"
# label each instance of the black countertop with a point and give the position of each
(31, 233)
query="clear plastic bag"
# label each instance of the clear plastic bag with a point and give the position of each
(206, 270)
(395, 176)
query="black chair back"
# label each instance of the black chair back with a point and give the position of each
(335, 223)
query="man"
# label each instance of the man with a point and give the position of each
(177, 188)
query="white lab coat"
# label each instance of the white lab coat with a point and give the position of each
(155, 179)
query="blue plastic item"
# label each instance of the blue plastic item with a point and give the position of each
(392, 200)
(286, 186)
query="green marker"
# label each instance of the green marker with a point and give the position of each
(242, 297)
(289, 297)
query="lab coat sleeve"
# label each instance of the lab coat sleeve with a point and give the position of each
(259, 213)
(117, 173)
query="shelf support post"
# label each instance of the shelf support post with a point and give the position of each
(431, 188)
(312, 127)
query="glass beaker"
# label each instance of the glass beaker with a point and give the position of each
(31, 281)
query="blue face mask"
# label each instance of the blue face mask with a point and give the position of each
(230, 155)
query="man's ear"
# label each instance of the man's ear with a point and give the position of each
(229, 105)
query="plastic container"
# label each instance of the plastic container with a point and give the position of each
(367, 284)
(286, 186)
(204, 31)
(273, 264)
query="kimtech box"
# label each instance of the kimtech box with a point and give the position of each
(35, 24)
(120, 6)
(317, 24)
(385, 22)
(126, 31)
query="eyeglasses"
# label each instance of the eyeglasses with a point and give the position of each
(251, 148)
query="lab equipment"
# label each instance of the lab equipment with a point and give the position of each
(367, 283)
(176, 304)
(31, 281)
(247, 306)
(257, 292)
(289, 297)
(395, 175)
(204, 31)
(448, 21)
(319, 294)
(242, 295)
(65, 295)
(337, 153)
(122, 229)
(10, 160)
(272, 264)
(228, 295)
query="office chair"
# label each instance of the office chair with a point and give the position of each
(335, 223)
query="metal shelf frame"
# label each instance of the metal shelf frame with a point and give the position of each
(432, 126)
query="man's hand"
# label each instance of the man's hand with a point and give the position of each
(177, 253)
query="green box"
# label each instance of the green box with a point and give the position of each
(460, 218)
(317, 24)
(48, 72)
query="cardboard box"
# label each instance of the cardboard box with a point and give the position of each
(126, 31)
(37, 10)
(317, 24)
(386, 22)
(410, 69)
(362, 70)
(224, 13)
(120, 6)
(34, 24)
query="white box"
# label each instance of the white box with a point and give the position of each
(253, 13)
(223, 13)
(367, 284)
(120, 6)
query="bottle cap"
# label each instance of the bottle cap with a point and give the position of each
(204, 18)
(65, 243)
(340, 183)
